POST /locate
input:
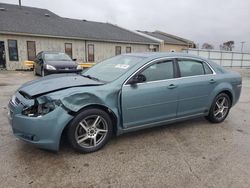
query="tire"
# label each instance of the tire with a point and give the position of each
(90, 130)
(219, 109)
(43, 72)
(34, 71)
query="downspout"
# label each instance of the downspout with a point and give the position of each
(85, 51)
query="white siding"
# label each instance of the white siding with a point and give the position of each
(42, 44)
(103, 50)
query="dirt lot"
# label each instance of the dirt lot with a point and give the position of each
(189, 154)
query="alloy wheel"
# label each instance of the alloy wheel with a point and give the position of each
(91, 131)
(221, 107)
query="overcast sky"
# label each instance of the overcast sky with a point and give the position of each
(212, 21)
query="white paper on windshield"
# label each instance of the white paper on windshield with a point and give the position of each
(122, 66)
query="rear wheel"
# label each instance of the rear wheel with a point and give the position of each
(34, 71)
(219, 109)
(90, 130)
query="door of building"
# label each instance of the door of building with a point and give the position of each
(2, 55)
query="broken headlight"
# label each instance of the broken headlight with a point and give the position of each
(40, 109)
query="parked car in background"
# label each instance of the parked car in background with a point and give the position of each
(122, 94)
(54, 62)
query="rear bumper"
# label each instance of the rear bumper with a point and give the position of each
(44, 131)
(237, 91)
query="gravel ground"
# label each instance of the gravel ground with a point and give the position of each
(190, 154)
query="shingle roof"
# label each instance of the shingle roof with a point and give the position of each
(167, 38)
(29, 20)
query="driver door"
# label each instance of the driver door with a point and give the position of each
(154, 100)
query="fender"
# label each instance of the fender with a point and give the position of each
(224, 86)
(79, 101)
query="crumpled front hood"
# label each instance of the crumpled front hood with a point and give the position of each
(54, 83)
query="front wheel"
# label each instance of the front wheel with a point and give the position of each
(90, 130)
(219, 109)
(34, 71)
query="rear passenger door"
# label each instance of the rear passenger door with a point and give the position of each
(196, 83)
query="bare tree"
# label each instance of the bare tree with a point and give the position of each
(207, 46)
(227, 46)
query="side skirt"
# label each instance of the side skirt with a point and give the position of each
(160, 123)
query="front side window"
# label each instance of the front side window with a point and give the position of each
(68, 49)
(111, 69)
(118, 50)
(159, 71)
(13, 51)
(91, 53)
(31, 50)
(190, 68)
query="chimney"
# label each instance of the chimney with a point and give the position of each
(20, 4)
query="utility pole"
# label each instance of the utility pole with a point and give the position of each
(242, 45)
(20, 3)
(198, 46)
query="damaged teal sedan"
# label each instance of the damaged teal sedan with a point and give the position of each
(122, 94)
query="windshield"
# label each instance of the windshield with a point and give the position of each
(56, 57)
(112, 68)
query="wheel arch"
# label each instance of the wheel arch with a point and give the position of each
(223, 87)
(229, 93)
(106, 109)
(211, 116)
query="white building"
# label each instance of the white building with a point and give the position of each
(169, 42)
(25, 31)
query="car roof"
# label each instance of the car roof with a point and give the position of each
(155, 55)
(163, 54)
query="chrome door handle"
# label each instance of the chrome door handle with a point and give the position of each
(172, 86)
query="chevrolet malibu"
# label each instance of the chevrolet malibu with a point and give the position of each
(119, 95)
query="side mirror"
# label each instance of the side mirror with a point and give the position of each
(137, 79)
(74, 59)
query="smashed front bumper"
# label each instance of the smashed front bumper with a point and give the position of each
(42, 131)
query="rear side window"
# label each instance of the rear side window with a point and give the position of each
(191, 68)
(207, 69)
(159, 71)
